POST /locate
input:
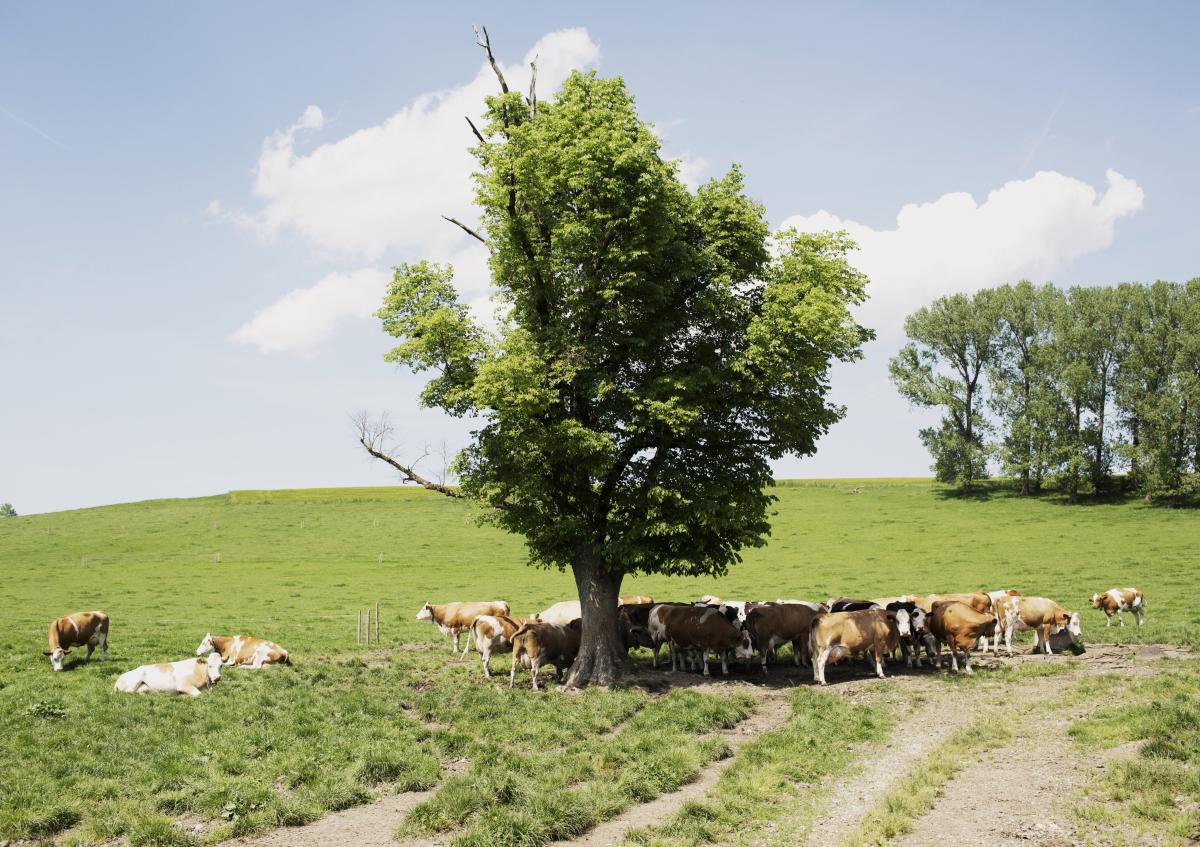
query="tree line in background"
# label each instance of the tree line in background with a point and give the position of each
(1087, 390)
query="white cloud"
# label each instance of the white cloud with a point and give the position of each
(1026, 228)
(385, 187)
(300, 320)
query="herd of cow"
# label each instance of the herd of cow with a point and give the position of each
(187, 676)
(818, 633)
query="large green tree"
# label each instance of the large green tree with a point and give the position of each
(952, 341)
(656, 349)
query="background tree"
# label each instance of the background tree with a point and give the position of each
(656, 349)
(952, 341)
(7, 510)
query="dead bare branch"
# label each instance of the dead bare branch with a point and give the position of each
(371, 435)
(466, 229)
(532, 98)
(475, 130)
(486, 43)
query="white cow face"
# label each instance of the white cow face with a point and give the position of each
(206, 646)
(1073, 626)
(744, 648)
(903, 623)
(917, 621)
(214, 667)
(1095, 601)
(56, 657)
(426, 613)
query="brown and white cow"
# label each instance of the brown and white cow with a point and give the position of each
(836, 635)
(189, 676)
(959, 626)
(453, 619)
(243, 650)
(1044, 617)
(1001, 601)
(494, 634)
(777, 624)
(1118, 600)
(701, 628)
(537, 643)
(80, 629)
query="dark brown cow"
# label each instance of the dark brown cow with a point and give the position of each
(778, 624)
(698, 628)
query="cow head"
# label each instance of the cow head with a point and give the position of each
(214, 667)
(56, 657)
(917, 621)
(426, 613)
(206, 646)
(1073, 626)
(744, 649)
(903, 622)
(1095, 601)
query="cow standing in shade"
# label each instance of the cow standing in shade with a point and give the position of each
(88, 629)
(876, 632)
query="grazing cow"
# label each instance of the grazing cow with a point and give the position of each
(494, 634)
(1040, 615)
(771, 626)
(456, 618)
(698, 628)
(77, 630)
(537, 643)
(243, 650)
(849, 604)
(839, 634)
(189, 676)
(560, 613)
(1118, 600)
(959, 626)
(635, 600)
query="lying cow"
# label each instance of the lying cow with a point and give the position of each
(773, 625)
(959, 626)
(839, 634)
(538, 643)
(698, 628)
(243, 650)
(561, 613)
(454, 619)
(189, 676)
(1041, 616)
(1118, 600)
(88, 629)
(494, 634)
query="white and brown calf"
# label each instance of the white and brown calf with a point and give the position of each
(189, 676)
(243, 650)
(453, 619)
(1115, 601)
(88, 629)
(494, 634)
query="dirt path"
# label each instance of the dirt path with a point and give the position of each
(771, 714)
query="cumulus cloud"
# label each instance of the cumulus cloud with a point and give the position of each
(300, 320)
(1026, 228)
(385, 187)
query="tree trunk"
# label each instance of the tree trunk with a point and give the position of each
(602, 656)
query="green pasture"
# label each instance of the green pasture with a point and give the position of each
(80, 764)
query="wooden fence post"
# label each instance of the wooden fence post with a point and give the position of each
(358, 636)
(376, 621)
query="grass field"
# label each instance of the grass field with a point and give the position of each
(285, 746)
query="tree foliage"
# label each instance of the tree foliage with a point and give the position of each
(656, 347)
(7, 510)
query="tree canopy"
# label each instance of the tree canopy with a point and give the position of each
(656, 348)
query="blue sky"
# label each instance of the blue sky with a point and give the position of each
(189, 246)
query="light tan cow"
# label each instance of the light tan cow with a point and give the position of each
(1043, 617)
(977, 600)
(243, 650)
(838, 634)
(959, 626)
(80, 629)
(561, 613)
(453, 619)
(537, 643)
(1118, 600)
(189, 676)
(634, 600)
(494, 634)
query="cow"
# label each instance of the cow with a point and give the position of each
(80, 629)
(1118, 600)
(1040, 615)
(537, 643)
(698, 628)
(977, 600)
(560, 613)
(243, 650)
(494, 634)
(849, 604)
(959, 626)
(838, 634)
(189, 676)
(456, 618)
(918, 634)
(771, 626)
(635, 600)
(1001, 601)
(635, 626)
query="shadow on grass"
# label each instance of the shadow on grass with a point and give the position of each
(1009, 489)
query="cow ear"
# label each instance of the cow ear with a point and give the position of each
(47, 653)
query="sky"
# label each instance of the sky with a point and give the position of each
(200, 203)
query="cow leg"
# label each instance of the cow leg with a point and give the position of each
(190, 690)
(1008, 634)
(104, 646)
(536, 664)
(1141, 615)
(724, 663)
(1107, 619)
(953, 656)
(91, 647)
(967, 662)
(454, 648)
(512, 677)
(1120, 617)
(485, 654)
(879, 662)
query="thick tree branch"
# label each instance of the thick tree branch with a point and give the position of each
(475, 129)
(486, 43)
(466, 229)
(371, 435)
(532, 98)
